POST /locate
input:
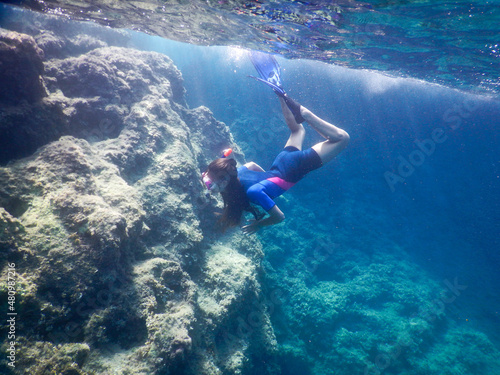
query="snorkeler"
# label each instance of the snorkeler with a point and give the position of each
(250, 184)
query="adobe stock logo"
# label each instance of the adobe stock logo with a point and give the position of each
(453, 117)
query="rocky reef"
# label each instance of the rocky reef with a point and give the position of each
(119, 266)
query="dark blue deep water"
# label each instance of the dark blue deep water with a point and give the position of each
(419, 182)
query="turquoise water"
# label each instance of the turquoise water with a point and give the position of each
(388, 261)
(420, 178)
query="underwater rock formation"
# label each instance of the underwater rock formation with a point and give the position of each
(30, 117)
(22, 68)
(119, 266)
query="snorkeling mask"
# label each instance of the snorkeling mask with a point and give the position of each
(211, 186)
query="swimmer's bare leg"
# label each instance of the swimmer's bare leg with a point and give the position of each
(336, 138)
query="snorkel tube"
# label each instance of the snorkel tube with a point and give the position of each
(226, 152)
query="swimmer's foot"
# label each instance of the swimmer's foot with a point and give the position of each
(292, 104)
(294, 108)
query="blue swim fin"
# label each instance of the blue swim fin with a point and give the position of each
(267, 67)
(269, 70)
(270, 74)
(278, 90)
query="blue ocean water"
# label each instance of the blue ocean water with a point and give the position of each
(422, 168)
(421, 174)
(413, 143)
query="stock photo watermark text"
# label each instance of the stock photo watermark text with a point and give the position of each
(11, 315)
(453, 119)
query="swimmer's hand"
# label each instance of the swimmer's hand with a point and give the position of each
(275, 217)
(251, 228)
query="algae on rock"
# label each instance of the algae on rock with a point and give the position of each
(119, 265)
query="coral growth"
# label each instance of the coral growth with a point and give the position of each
(119, 266)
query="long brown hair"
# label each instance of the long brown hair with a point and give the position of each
(234, 195)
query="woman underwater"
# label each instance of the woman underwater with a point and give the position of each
(250, 183)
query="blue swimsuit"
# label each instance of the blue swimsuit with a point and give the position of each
(289, 167)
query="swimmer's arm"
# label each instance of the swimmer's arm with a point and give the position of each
(254, 167)
(275, 216)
